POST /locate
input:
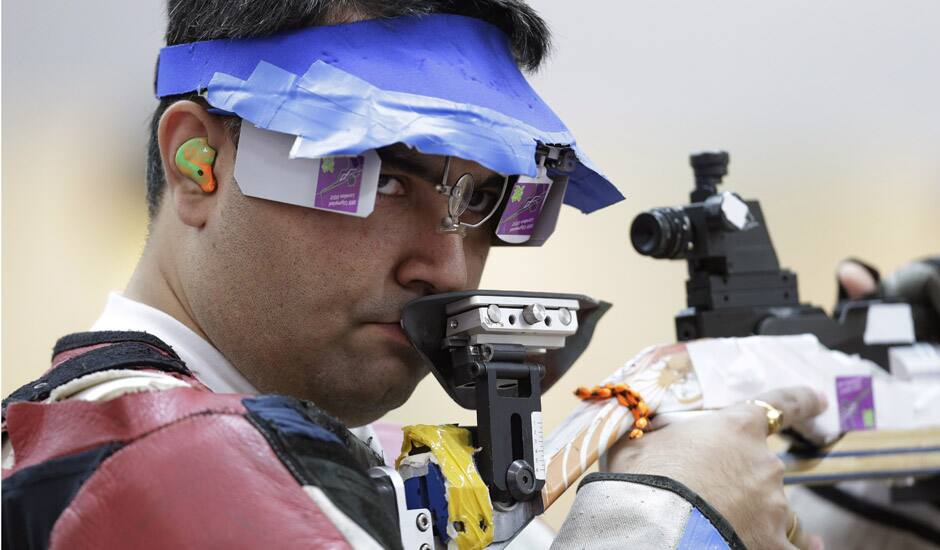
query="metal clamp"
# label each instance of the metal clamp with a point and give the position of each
(414, 525)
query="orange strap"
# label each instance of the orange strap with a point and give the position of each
(626, 396)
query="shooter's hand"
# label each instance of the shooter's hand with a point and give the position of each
(724, 458)
(916, 282)
(856, 280)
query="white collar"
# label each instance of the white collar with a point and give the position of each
(208, 365)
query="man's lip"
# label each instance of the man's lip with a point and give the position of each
(393, 330)
(386, 323)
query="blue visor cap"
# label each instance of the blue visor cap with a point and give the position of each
(443, 84)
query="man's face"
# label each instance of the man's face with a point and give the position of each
(307, 303)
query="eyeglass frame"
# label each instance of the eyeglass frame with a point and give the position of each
(448, 223)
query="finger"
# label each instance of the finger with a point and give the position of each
(810, 542)
(856, 280)
(797, 404)
(803, 540)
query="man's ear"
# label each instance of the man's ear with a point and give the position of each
(190, 167)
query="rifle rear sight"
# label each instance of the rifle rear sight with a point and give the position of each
(736, 286)
(731, 260)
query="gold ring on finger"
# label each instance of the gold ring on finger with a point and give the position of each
(794, 527)
(774, 415)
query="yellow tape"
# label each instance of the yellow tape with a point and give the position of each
(468, 499)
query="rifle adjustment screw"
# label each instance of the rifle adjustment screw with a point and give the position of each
(494, 314)
(534, 313)
(423, 522)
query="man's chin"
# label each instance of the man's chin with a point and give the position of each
(377, 393)
(363, 410)
(362, 378)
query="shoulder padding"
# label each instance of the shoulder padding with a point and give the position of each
(83, 354)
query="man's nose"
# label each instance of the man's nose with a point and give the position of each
(435, 262)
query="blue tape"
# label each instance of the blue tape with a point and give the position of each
(461, 59)
(428, 491)
(700, 534)
(444, 84)
(279, 411)
(342, 114)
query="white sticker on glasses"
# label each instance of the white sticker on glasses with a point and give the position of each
(521, 214)
(264, 169)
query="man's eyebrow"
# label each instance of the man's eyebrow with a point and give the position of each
(495, 180)
(406, 161)
(421, 166)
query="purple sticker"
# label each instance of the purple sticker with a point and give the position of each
(522, 210)
(856, 403)
(338, 183)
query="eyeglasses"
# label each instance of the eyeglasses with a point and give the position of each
(468, 206)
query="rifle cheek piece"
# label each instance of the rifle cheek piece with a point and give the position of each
(494, 352)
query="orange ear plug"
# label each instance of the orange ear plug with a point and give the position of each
(195, 159)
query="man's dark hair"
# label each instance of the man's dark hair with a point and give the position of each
(196, 20)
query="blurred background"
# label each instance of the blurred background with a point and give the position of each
(830, 110)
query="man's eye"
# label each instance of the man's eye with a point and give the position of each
(390, 185)
(483, 200)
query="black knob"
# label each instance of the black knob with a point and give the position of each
(520, 479)
(709, 168)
